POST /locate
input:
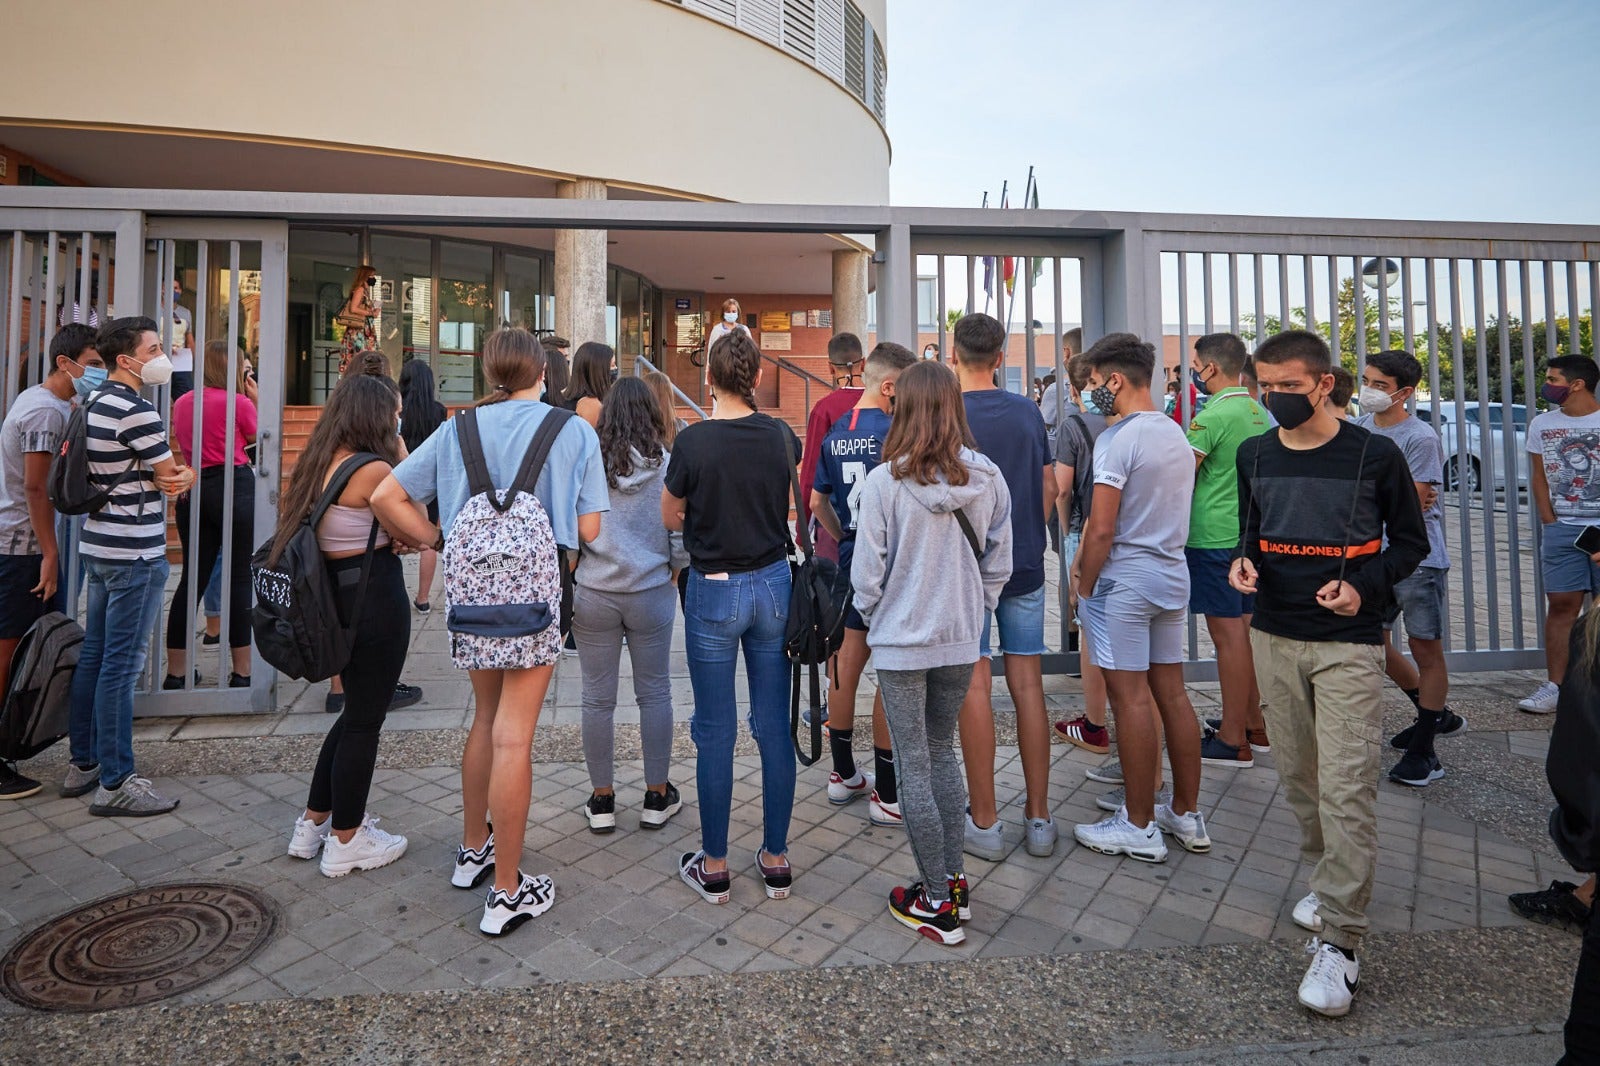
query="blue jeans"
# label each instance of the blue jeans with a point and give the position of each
(749, 609)
(213, 596)
(124, 606)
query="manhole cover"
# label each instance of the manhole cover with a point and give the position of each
(137, 947)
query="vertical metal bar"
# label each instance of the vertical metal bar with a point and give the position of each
(1486, 478)
(1359, 313)
(1551, 350)
(1508, 438)
(938, 311)
(1233, 293)
(1530, 356)
(1030, 364)
(1000, 295)
(1463, 455)
(1309, 281)
(1574, 347)
(1429, 285)
(47, 323)
(972, 299)
(1283, 291)
(1261, 301)
(229, 487)
(1207, 293)
(1061, 404)
(435, 266)
(271, 379)
(1383, 303)
(103, 304)
(13, 353)
(38, 326)
(85, 271)
(1183, 335)
(195, 580)
(1334, 341)
(1405, 319)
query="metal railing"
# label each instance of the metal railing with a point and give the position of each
(643, 366)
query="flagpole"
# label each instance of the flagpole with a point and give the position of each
(988, 286)
(1012, 304)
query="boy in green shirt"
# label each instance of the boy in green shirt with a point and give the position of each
(1229, 417)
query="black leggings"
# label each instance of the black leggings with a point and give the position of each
(344, 768)
(214, 524)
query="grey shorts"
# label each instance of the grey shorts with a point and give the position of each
(1421, 599)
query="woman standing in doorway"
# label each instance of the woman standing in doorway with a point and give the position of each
(728, 323)
(594, 368)
(735, 523)
(423, 413)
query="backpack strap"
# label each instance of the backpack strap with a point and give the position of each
(970, 533)
(794, 485)
(336, 484)
(478, 482)
(538, 451)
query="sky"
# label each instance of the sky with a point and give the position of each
(1473, 110)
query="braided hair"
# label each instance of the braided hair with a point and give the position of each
(734, 365)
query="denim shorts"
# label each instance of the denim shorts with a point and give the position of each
(1021, 625)
(1128, 632)
(19, 607)
(1209, 591)
(1421, 599)
(1566, 566)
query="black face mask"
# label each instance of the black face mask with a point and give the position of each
(1291, 409)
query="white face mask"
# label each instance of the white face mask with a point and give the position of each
(1375, 401)
(730, 317)
(157, 371)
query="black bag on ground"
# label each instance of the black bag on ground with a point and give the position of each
(296, 614)
(818, 602)
(69, 486)
(38, 701)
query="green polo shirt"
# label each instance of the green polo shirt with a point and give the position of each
(1228, 418)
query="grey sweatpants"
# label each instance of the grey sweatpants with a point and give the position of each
(921, 707)
(599, 620)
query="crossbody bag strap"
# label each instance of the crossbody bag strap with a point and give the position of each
(970, 533)
(794, 485)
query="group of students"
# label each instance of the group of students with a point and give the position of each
(1299, 544)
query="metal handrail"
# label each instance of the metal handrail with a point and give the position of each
(643, 366)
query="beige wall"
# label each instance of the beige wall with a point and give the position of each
(631, 91)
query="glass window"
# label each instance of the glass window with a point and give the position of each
(405, 288)
(322, 267)
(628, 311)
(520, 304)
(612, 324)
(647, 320)
(465, 277)
(927, 297)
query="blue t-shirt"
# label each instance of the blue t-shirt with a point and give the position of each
(1010, 430)
(849, 452)
(573, 481)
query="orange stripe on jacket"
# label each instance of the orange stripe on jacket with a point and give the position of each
(1333, 551)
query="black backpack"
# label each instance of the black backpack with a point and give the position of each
(818, 602)
(69, 486)
(38, 700)
(296, 617)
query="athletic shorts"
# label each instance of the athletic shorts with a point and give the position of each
(1566, 566)
(1421, 599)
(19, 607)
(852, 617)
(1209, 591)
(1128, 632)
(1021, 621)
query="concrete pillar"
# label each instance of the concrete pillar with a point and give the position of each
(580, 281)
(850, 293)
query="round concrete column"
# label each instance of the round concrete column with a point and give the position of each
(850, 293)
(580, 281)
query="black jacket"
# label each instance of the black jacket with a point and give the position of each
(1573, 765)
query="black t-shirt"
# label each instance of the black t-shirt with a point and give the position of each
(733, 476)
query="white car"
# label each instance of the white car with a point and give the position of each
(1463, 465)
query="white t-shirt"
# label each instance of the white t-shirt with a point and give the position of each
(1147, 456)
(182, 340)
(1569, 447)
(722, 329)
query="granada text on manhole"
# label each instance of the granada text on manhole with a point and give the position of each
(137, 947)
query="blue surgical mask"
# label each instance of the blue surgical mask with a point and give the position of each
(730, 317)
(1088, 403)
(91, 378)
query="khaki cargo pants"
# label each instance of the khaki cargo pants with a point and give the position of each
(1321, 701)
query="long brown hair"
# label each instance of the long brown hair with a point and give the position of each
(929, 427)
(513, 360)
(214, 372)
(629, 421)
(591, 372)
(666, 405)
(359, 417)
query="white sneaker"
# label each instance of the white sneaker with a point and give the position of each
(503, 913)
(1331, 981)
(1543, 700)
(473, 866)
(309, 837)
(1305, 913)
(1039, 837)
(841, 791)
(369, 849)
(883, 813)
(1118, 836)
(1189, 830)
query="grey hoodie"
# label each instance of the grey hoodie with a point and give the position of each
(917, 583)
(634, 551)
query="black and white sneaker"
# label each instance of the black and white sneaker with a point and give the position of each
(503, 912)
(1451, 724)
(14, 785)
(472, 866)
(659, 807)
(405, 695)
(1417, 771)
(713, 888)
(1331, 980)
(601, 812)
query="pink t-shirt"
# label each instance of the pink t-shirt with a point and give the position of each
(215, 426)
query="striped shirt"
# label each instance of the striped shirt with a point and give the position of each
(126, 441)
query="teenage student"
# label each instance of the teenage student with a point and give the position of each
(931, 555)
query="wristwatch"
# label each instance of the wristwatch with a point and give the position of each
(438, 543)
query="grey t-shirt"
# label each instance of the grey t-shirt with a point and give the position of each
(34, 424)
(1075, 448)
(1148, 457)
(1051, 403)
(1424, 454)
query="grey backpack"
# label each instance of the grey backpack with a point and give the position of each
(39, 698)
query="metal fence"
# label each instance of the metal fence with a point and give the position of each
(1481, 304)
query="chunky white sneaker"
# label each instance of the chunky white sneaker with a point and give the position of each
(883, 813)
(1189, 830)
(1331, 981)
(1118, 836)
(473, 866)
(369, 849)
(1305, 913)
(1039, 837)
(841, 791)
(503, 912)
(1543, 700)
(309, 837)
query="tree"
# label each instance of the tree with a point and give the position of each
(951, 317)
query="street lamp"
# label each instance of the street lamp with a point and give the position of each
(1372, 269)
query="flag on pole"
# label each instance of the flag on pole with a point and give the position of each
(988, 275)
(1011, 274)
(1033, 202)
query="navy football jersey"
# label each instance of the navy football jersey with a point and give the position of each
(849, 452)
